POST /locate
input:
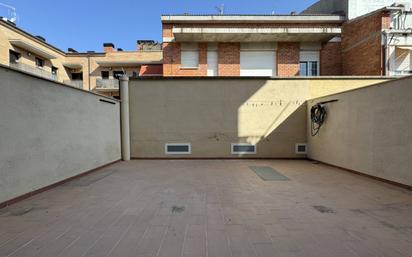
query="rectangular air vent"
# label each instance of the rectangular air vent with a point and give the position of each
(178, 148)
(301, 148)
(243, 148)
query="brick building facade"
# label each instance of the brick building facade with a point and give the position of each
(231, 33)
(378, 43)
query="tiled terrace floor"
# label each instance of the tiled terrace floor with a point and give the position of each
(212, 208)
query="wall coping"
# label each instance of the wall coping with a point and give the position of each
(265, 78)
(5, 67)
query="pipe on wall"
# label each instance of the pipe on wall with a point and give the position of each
(124, 117)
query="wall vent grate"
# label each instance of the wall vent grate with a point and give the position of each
(301, 148)
(178, 148)
(243, 148)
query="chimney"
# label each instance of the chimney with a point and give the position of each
(108, 48)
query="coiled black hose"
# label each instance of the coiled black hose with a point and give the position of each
(318, 115)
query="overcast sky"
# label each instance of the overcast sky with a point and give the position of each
(87, 24)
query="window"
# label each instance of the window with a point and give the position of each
(309, 63)
(117, 74)
(105, 74)
(54, 70)
(190, 55)
(178, 148)
(243, 148)
(14, 56)
(77, 76)
(39, 62)
(309, 69)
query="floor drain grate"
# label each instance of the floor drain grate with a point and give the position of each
(323, 209)
(178, 209)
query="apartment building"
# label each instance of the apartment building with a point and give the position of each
(251, 45)
(94, 71)
(321, 41)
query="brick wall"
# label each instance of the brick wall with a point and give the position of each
(362, 53)
(331, 59)
(172, 61)
(288, 59)
(151, 70)
(229, 59)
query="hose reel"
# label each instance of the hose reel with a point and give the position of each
(318, 114)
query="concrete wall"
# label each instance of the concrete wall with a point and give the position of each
(368, 130)
(213, 113)
(50, 132)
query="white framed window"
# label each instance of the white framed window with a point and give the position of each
(403, 61)
(309, 63)
(178, 148)
(243, 148)
(189, 55)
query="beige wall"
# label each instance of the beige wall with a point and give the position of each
(213, 113)
(50, 132)
(368, 130)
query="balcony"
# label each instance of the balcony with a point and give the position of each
(33, 70)
(74, 83)
(107, 84)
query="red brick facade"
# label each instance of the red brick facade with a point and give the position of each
(362, 52)
(288, 59)
(359, 53)
(229, 59)
(172, 61)
(331, 59)
(151, 70)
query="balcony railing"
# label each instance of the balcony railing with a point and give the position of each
(33, 70)
(107, 84)
(74, 83)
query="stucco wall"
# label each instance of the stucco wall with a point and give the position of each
(50, 132)
(213, 113)
(368, 130)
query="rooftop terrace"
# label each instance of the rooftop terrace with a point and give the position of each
(212, 208)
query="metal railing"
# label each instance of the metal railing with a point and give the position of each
(33, 70)
(74, 83)
(402, 21)
(107, 84)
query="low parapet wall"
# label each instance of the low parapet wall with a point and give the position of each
(368, 130)
(50, 132)
(211, 114)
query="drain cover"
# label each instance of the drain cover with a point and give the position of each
(268, 174)
(323, 209)
(178, 209)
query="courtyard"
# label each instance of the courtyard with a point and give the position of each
(214, 208)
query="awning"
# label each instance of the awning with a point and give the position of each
(32, 48)
(125, 63)
(255, 34)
